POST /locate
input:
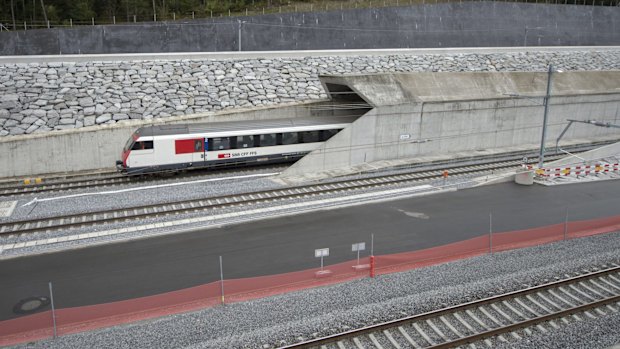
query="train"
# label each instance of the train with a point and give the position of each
(175, 148)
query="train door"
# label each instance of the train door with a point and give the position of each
(190, 152)
(142, 154)
(198, 156)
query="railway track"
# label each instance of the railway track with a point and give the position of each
(112, 179)
(59, 185)
(80, 181)
(211, 204)
(483, 323)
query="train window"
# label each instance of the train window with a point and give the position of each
(129, 144)
(198, 145)
(143, 145)
(309, 136)
(219, 143)
(290, 138)
(267, 140)
(245, 141)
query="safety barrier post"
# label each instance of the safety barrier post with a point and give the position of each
(372, 266)
(222, 279)
(491, 233)
(53, 309)
(372, 255)
(566, 224)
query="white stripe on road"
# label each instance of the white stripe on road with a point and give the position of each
(149, 187)
(268, 212)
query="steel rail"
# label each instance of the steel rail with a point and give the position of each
(377, 328)
(111, 178)
(527, 323)
(219, 202)
(49, 186)
(47, 224)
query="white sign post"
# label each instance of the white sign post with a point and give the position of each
(360, 246)
(321, 252)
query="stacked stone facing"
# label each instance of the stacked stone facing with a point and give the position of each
(42, 97)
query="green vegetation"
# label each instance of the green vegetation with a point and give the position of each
(29, 14)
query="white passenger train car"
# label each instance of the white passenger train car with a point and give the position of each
(178, 147)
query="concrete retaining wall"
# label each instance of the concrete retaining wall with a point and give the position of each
(457, 24)
(454, 118)
(54, 95)
(426, 107)
(99, 148)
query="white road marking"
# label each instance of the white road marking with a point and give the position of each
(148, 187)
(210, 219)
(419, 215)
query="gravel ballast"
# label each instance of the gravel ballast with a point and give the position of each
(284, 319)
(124, 196)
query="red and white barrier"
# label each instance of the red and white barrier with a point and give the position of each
(578, 171)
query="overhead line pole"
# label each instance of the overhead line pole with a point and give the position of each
(541, 156)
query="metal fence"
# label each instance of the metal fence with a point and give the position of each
(7, 24)
(41, 317)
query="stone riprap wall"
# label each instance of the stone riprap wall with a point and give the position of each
(455, 24)
(41, 97)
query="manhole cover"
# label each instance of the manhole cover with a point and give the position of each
(30, 304)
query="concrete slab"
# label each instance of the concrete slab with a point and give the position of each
(428, 87)
(382, 165)
(606, 155)
(7, 207)
(572, 180)
(612, 150)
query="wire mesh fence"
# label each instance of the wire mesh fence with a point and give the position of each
(208, 12)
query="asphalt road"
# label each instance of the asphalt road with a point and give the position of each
(150, 266)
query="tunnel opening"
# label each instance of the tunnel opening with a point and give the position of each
(343, 102)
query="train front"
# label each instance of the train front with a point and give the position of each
(121, 165)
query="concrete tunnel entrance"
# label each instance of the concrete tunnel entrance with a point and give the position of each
(344, 101)
(409, 117)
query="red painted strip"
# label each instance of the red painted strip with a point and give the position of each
(79, 319)
(187, 146)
